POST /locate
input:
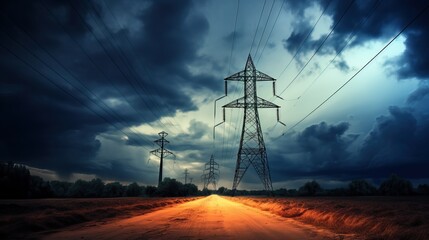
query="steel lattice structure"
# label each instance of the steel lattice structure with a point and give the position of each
(252, 149)
(210, 173)
(161, 152)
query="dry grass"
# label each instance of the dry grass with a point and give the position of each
(368, 217)
(22, 218)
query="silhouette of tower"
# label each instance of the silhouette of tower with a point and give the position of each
(161, 152)
(252, 147)
(210, 173)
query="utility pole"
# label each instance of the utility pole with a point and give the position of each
(252, 149)
(161, 152)
(210, 173)
(186, 176)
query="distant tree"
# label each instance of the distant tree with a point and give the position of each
(292, 192)
(15, 180)
(423, 189)
(361, 188)
(113, 189)
(133, 190)
(205, 192)
(189, 189)
(59, 188)
(150, 191)
(310, 189)
(79, 189)
(169, 188)
(39, 188)
(396, 186)
(337, 192)
(96, 188)
(281, 192)
(221, 190)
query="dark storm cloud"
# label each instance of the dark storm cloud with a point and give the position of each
(140, 74)
(387, 20)
(418, 94)
(396, 144)
(318, 150)
(234, 35)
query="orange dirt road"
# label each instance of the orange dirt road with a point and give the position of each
(212, 217)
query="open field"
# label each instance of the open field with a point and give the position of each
(212, 217)
(23, 218)
(367, 217)
(216, 217)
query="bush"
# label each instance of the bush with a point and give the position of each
(134, 190)
(169, 188)
(396, 186)
(59, 188)
(221, 190)
(151, 191)
(423, 189)
(310, 188)
(39, 188)
(15, 180)
(114, 189)
(189, 189)
(361, 188)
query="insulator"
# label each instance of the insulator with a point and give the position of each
(274, 88)
(224, 114)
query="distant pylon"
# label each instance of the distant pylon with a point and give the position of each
(161, 152)
(252, 147)
(210, 173)
(186, 175)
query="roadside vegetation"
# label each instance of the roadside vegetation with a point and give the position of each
(16, 182)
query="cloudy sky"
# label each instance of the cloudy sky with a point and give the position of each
(87, 85)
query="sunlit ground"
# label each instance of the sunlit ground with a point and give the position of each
(212, 217)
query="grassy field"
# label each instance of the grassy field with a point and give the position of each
(21, 219)
(367, 217)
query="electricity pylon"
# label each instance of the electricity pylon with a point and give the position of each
(186, 173)
(161, 152)
(210, 173)
(252, 149)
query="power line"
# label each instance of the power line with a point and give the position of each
(116, 64)
(129, 66)
(233, 36)
(271, 31)
(145, 69)
(109, 80)
(265, 26)
(320, 46)
(108, 55)
(63, 89)
(350, 38)
(257, 27)
(111, 112)
(305, 39)
(363, 67)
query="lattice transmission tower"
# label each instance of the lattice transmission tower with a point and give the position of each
(161, 152)
(210, 173)
(252, 149)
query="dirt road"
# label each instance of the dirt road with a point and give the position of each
(212, 217)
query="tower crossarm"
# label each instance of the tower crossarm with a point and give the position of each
(249, 70)
(260, 103)
(241, 76)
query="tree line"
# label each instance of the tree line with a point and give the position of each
(393, 186)
(16, 182)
